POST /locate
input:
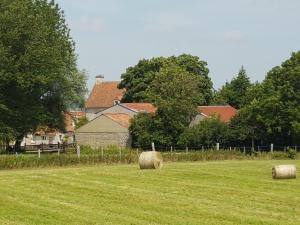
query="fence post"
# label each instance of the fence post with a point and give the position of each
(244, 150)
(137, 152)
(102, 153)
(120, 154)
(230, 148)
(171, 149)
(186, 149)
(296, 148)
(202, 148)
(272, 148)
(218, 146)
(258, 148)
(39, 153)
(78, 151)
(153, 146)
(58, 152)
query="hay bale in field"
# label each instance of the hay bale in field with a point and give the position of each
(151, 160)
(284, 172)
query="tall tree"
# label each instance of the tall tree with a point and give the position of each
(274, 115)
(138, 78)
(38, 66)
(234, 92)
(175, 93)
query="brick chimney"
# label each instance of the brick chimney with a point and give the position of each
(99, 79)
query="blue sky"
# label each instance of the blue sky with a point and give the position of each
(112, 35)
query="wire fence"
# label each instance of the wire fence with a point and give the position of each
(37, 148)
(49, 148)
(241, 148)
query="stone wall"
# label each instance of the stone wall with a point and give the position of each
(96, 140)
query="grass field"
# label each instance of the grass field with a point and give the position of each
(222, 192)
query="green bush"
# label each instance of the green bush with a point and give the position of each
(291, 153)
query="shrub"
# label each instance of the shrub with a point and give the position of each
(207, 132)
(291, 153)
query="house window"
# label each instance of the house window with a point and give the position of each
(44, 138)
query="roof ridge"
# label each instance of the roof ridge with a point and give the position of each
(112, 81)
(114, 114)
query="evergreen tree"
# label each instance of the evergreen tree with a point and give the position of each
(234, 93)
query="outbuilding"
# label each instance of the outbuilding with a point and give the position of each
(105, 130)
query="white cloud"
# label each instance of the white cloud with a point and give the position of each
(86, 24)
(233, 35)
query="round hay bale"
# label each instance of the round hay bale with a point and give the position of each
(151, 160)
(284, 172)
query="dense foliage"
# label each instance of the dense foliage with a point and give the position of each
(140, 77)
(234, 93)
(274, 115)
(269, 112)
(207, 132)
(175, 93)
(38, 76)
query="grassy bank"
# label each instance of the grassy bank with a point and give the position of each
(112, 155)
(223, 192)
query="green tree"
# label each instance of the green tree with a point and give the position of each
(175, 93)
(139, 78)
(280, 104)
(234, 92)
(208, 132)
(142, 129)
(38, 76)
(245, 127)
(274, 115)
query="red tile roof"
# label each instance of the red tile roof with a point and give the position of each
(121, 118)
(45, 130)
(141, 107)
(225, 112)
(104, 94)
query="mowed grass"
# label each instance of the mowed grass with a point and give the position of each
(220, 192)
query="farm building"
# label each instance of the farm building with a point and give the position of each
(43, 135)
(46, 135)
(107, 129)
(225, 113)
(110, 126)
(105, 94)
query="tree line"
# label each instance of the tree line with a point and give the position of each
(39, 80)
(268, 111)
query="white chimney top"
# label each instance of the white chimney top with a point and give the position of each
(99, 79)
